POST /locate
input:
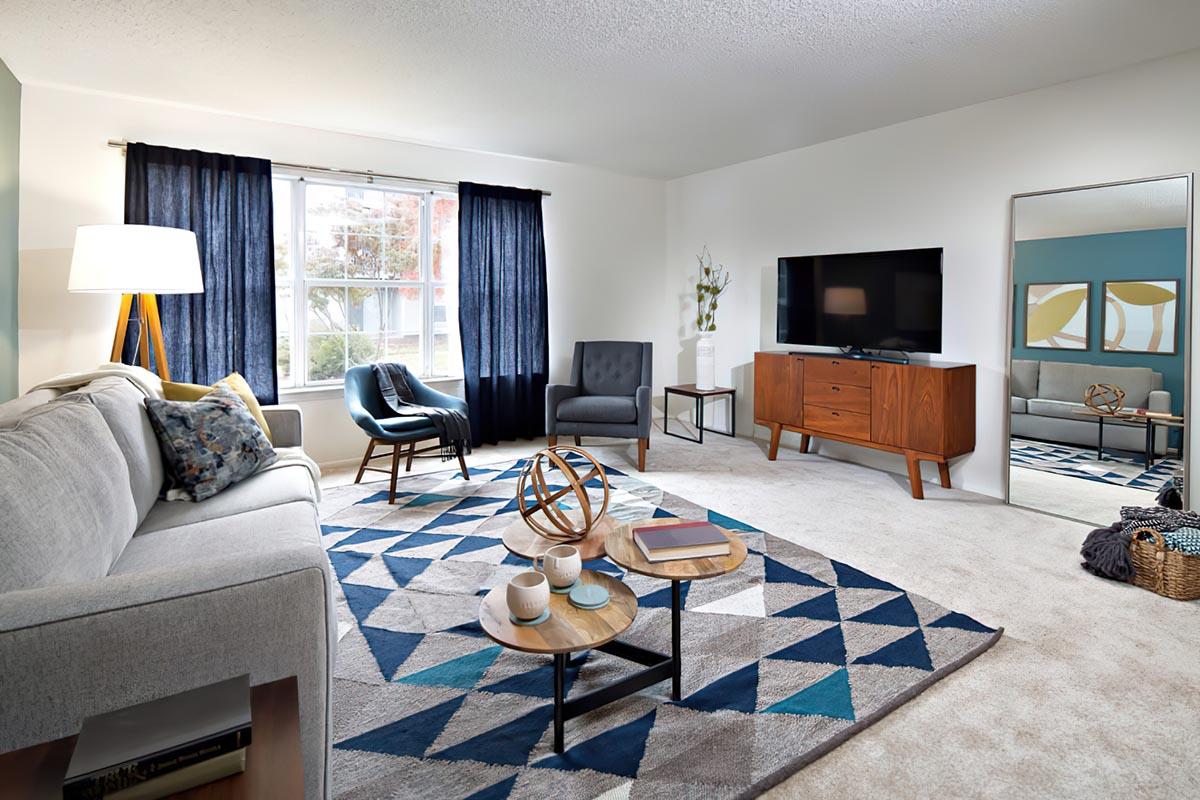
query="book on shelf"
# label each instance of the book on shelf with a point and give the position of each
(681, 540)
(151, 741)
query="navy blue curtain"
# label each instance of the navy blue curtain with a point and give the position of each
(502, 312)
(226, 201)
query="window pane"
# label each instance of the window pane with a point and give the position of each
(326, 356)
(326, 309)
(343, 226)
(281, 203)
(447, 350)
(364, 348)
(444, 220)
(402, 340)
(402, 258)
(283, 333)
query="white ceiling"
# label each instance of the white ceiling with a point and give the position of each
(660, 88)
(1105, 209)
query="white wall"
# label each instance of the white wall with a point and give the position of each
(604, 232)
(941, 181)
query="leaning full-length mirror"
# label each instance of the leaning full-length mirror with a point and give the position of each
(1099, 370)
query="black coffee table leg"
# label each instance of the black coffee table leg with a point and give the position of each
(1149, 443)
(676, 654)
(560, 673)
(1100, 441)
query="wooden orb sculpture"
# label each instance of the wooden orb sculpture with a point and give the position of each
(544, 516)
(1104, 398)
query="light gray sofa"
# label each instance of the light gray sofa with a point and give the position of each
(110, 597)
(1046, 394)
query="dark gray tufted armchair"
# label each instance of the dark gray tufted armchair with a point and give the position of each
(609, 395)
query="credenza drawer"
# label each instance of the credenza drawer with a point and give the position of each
(843, 397)
(837, 370)
(842, 423)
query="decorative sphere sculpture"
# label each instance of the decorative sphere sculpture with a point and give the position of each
(1104, 398)
(561, 527)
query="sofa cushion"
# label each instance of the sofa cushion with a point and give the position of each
(1025, 378)
(18, 407)
(121, 405)
(194, 391)
(272, 487)
(1058, 408)
(1018, 405)
(209, 444)
(611, 368)
(1061, 381)
(65, 502)
(595, 408)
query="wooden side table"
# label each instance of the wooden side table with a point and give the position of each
(624, 552)
(699, 396)
(274, 767)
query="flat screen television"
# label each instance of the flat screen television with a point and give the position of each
(890, 300)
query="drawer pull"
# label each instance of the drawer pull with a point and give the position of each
(836, 388)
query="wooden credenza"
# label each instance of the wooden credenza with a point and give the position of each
(926, 412)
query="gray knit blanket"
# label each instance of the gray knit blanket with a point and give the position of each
(453, 427)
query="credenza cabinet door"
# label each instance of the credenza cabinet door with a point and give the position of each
(779, 388)
(908, 407)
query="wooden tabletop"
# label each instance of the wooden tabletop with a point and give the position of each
(274, 767)
(691, 390)
(622, 550)
(523, 541)
(569, 629)
(1167, 419)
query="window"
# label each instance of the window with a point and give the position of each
(364, 272)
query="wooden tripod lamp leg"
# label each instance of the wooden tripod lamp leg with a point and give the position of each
(143, 339)
(154, 331)
(122, 327)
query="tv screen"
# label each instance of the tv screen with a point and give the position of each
(890, 300)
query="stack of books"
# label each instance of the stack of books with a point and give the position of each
(164, 746)
(681, 540)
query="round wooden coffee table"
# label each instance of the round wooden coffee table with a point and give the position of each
(623, 551)
(569, 629)
(523, 541)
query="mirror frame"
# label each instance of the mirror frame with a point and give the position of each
(1009, 332)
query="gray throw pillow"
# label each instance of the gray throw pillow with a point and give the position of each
(208, 444)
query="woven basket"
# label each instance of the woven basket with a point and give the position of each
(1162, 571)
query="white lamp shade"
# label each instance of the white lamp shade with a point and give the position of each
(145, 259)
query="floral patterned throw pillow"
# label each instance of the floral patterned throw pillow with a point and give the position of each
(208, 444)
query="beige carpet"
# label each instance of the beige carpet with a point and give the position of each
(1094, 690)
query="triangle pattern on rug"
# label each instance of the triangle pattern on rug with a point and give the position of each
(470, 544)
(823, 607)
(898, 611)
(730, 524)
(662, 513)
(405, 569)
(450, 518)
(409, 736)
(475, 501)
(616, 752)
(510, 744)
(368, 535)
(345, 562)
(390, 648)
(962, 622)
(909, 651)
(430, 499)
(661, 598)
(778, 572)
(363, 599)
(538, 682)
(746, 603)
(459, 673)
(852, 578)
(828, 697)
(827, 647)
(737, 691)
(497, 791)
(419, 539)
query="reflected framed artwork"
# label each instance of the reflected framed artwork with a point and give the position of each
(1140, 316)
(1057, 316)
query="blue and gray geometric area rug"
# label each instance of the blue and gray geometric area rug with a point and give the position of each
(1119, 467)
(782, 659)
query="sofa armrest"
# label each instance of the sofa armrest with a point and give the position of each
(286, 423)
(68, 652)
(555, 394)
(644, 411)
(1159, 400)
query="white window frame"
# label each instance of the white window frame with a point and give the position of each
(300, 283)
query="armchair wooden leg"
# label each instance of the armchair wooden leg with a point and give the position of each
(396, 448)
(412, 448)
(642, 445)
(462, 464)
(577, 442)
(552, 441)
(366, 458)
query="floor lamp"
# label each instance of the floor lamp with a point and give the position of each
(137, 262)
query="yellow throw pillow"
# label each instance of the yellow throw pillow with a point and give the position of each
(191, 392)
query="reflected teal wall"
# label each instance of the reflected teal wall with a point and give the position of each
(1133, 255)
(10, 132)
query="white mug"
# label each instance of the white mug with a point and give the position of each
(561, 564)
(528, 595)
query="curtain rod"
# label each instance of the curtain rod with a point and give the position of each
(121, 144)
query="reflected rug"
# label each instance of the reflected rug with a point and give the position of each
(782, 660)
(1119, 467)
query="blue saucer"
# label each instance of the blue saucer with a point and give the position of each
(524, 622)
(565, 589)
(588, 596)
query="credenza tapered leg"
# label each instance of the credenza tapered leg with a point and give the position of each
(776, 431)
(805, 439)
(944, 474)
(914, 476)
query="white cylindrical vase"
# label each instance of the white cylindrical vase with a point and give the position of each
(706, 362)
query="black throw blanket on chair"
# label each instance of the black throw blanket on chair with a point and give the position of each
(453, 427)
